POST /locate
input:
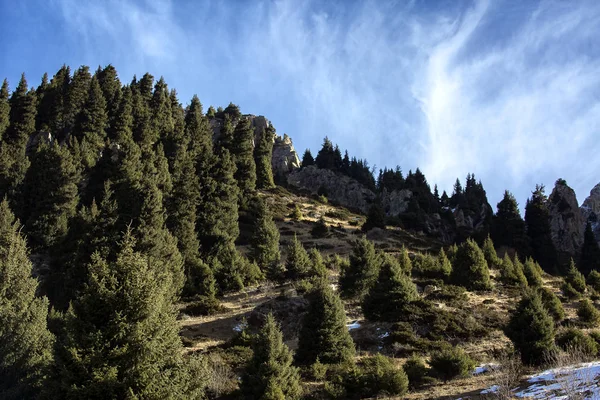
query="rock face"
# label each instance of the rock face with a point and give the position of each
(285, 159)
(566, 222)
(473, 221)
(590, 210)
(395, 202)
(340, 188)
(36, 139)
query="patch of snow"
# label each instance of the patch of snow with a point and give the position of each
(482, 369)
(491, 389)
(554, 383)
(240, 327)
(384, 335)
(353, 325)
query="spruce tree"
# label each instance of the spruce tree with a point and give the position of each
(537, 218)
(375, 218)
(91, 124)
(588, 314)
(590, 252)
(393, 291)
(4, 108)
(182, 222)
(552, 303)
(470, 268)
(531, 329)
(111, 90)
(242, 153)
(405, 262)
(508, 228)
(533, 273)
(270, 373)
(263, 153)
(489, 252)
(52, 108)
(265, 242)
(121, 335)
(13, 161)
(25, 342)
(318, 268)
(307, 159)
(574, 279)
(297, 263)
(197, 130)
(512, 272)
(324, 334)
(76, 97)
(362, 272)
(50, 193)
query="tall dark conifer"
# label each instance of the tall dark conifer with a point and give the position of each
(4, 108)
(242, 153)
(263, 153)
(537, 218)
(590, 252)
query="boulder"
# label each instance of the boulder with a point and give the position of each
(285, 159)
(566, 222)
(590, 210)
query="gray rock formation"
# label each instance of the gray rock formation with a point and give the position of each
(36, 139)
(566, 222)
(395, 202)
(285, 159)
(340, 189)
(590, 209)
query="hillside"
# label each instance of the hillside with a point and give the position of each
(155, 251)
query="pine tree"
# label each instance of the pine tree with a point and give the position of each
(123, 125)
(4, 108)
(242, 153)
(537, 218)
(326, 157)
(50, 191)
(111, 90)
(197, 130)
(489, 252)
(121, 335)
(161, 123)
(393, 291)
(52, 108)
(552, 303)
(13, 161)
(405, 262)
(574, 280)
(508, 228)
(375, 218)
(470, 268)
(361, 274)
(181, 221)
(590, 252)
(265, 242)
(444, 264)
(297, 263)
(76, 96)
(324, 334)
(91, 123)
(587, 313)
(307, 159)
(531, 329)
(271, 367)
(512, 273)
(263, 153)
(25, 342)
(318, 268)
(533, 273)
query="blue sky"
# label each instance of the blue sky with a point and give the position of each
(508, 90)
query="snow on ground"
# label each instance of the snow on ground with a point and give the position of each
(561, 383)
(483, 368)
(353, 325)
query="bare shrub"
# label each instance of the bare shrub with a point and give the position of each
(221, 378)
(509, 373)
(570, 372)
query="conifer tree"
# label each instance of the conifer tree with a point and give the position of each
(182, 222)
(121, 336)
(25, 342)
(265, 242)
(13, 161)
(533, 273)
(470, 268)
(297, 263)
(161, 123)
(318, 268)
(537, 218)
(393, 291)
(242, 153)
(362, 272)
(531, 329)
(489, 252)
(512, 272)
(324, 334)
(111, 90)
(270, 373)
(552, 303)
(444, 264)
(375, 218)
(508, 228)
(405, 262)
(211, 112)
(587, 313)
(197, 130)
(574, 280)
(263, 153)
(590, 252)
(4, 108)
(123, 126)
(76, 96)
(91, 123)
(50, 193)
(52, 108)
(307, 159)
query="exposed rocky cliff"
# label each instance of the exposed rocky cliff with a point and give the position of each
(339, 188)
(566, 222)
(590, 210)
(285, 159)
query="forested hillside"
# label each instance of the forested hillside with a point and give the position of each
(150, 250)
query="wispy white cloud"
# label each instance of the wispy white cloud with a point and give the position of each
(506, 91)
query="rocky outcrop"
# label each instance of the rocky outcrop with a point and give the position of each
(590, 210)
(36, 139)
(285, 159)
(339, 188)
(566, 222)
(473, 221)
(395, 202)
